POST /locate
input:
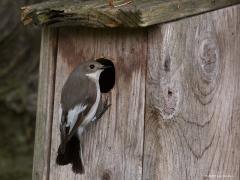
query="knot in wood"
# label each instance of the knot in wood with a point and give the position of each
(170, 101)
(208, 58)
(167, 101)
(106, 175)
(207, 70)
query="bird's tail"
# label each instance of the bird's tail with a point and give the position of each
(70, 152)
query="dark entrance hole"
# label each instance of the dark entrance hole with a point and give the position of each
(107, 77)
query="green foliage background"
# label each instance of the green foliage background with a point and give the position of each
(19, 59)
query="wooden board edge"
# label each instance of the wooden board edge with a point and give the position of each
(46, 88)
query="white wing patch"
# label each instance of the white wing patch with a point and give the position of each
(73, 115)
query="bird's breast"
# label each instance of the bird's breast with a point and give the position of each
(92, 112)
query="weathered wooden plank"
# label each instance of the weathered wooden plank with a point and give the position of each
(113, 145)
(193, 98)
(128, 13)
(45, 105)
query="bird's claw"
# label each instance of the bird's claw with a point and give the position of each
(106, 105)
(104, 109)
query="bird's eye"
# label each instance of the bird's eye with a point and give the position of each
(92, 66)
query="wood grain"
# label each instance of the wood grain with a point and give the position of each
(193, 98)
(43, 132)
(127, 13)
(186, 125)
(113, 145)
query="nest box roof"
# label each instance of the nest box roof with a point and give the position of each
(116, 13)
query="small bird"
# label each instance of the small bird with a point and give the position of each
(81, 104)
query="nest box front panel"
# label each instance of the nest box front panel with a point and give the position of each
(118, 135)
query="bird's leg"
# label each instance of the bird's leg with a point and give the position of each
(102, 111)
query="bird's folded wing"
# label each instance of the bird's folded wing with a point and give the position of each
(78, 96)
(73, 120)
(74, 114)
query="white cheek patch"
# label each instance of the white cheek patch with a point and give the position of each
(73, 115)
(95, 75)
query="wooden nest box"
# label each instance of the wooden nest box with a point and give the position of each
(175, 112)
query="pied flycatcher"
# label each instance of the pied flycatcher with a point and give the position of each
(80, 104)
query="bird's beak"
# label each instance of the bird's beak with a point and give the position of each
(105, 67)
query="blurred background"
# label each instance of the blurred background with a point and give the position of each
(19, 59)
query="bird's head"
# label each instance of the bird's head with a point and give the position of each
(92, 69)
